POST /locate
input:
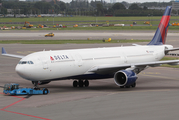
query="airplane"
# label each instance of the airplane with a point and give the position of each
(121, 63)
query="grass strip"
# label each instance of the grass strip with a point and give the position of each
(147, 27)
(169, 58)
(94, 19)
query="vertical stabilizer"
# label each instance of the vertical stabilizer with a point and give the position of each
(161, 33)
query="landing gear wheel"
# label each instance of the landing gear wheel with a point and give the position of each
(127, 86)
(75, 83)
(36, 88)
(121, 86)
(80, 83)
(133, 85)
(35, 83)
(45, 91)
(86, 83)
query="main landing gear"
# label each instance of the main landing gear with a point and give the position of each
(80, 83)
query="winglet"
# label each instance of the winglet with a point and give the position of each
(3, 51)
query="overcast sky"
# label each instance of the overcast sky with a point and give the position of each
(130, 1)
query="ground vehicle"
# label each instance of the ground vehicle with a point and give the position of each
(49, 35)
(27, 25)
(147, 22)
(13, 89)
(40, 26)
(60, 25)
(75, 25)
(134, 23)
(108, 40)
(175, 24)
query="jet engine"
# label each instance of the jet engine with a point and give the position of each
(125, 78)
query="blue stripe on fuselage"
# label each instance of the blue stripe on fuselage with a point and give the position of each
(85, 76)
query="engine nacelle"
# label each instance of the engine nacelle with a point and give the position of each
(125, 78)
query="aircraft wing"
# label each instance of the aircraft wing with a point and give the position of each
(114, 68)
(173, 49)
(10, 55)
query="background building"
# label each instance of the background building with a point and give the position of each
(175, 7)
(11, 0)
(81, 0)
(33, 0)
(112, 1)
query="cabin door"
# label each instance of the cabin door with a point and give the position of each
(124, 57)
(44, 62)
(78, 59)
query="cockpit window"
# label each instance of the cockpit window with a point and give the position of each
(23, 62)
(26, 62)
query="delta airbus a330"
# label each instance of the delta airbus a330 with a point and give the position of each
(121, 63)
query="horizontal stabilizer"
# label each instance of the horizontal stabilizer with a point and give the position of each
(173, 49)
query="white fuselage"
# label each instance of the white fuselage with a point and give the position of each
(49, 65)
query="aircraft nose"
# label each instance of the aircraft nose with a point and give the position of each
(21, 71)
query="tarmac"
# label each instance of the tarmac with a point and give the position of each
(155, 97)
(83, 34)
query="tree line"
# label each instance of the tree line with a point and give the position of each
(93, 8)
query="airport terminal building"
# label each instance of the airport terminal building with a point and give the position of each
(175, 5)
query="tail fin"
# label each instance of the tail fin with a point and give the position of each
(161, 33)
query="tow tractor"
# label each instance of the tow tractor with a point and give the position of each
(14, 89)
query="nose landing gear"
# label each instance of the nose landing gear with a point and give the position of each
(81, 83)
(35, 83)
